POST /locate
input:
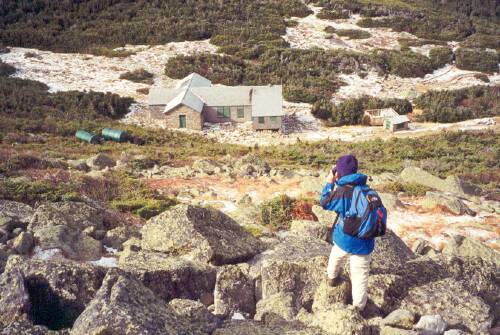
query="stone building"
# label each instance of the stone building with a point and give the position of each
(195, 101)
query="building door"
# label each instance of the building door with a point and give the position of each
(182, 121)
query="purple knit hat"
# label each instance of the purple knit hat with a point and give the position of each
(347, 165)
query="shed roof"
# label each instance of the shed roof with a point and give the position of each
(267, 101)
(399, 119)
(185, 98)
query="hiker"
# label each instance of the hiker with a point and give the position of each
(360, 218)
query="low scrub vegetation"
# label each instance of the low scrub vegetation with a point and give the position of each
(350, 111)
(353, 34)
(441, 56)
(96, 26)
(411, 189)
(6, 69)
(278, 212)
(138, 76)
(144, 208)
(459, 105)
(477, 60)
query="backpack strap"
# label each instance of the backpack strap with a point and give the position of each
(338, 192)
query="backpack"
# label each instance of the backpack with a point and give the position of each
(367, 216)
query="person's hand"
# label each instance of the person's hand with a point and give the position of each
(331, 177)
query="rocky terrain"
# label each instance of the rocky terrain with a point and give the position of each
(78, 267)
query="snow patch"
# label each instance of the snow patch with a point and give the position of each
(47, 254)
(108, 262)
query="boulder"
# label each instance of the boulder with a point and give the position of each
(279, 305)
(468, 247)
(324, 217)
(310, 228)
(447, 201)
(75, 215)
(25, 327)
(383, 178)
(431, 325)
(58, 290)
(115, 237)
(390, 252)
(207, 166)
(400, 318)
(14, 298)
(391, 201)
(386, 330)
(20, 212)
(312, 185)
(455, 332)
(418, 176)
(251, 327)
(197, 314)
(23, 243)
(452, 301)
(199, 233)
(296, 265)
(251, 164)
(100, 162)
(75, 245)
(170, 277)
(79, 165)
(384, 292)
(234, 291)
(326, 296)
(124, 306)
(338, 320)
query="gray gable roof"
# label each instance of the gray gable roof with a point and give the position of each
(265, 100)
(194, 80)
(185, 98)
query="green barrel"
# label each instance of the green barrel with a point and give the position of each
(116, 135)
(87, 137)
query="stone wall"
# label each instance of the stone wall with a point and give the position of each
(268, 124)
(194, 119)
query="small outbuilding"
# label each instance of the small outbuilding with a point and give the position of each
(376, 117)
(395, 123)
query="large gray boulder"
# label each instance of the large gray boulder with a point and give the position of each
(447, 201)
(75, 215)
(251, 327)
(390, 252)
(234, 291)
(338, 320)
(170, 277)
(74, 244)
(295, 265)
(197, 314)
(279, 305)
(100, 162)
(468, 247)
(124, 306)
(326, 296)
(418, 176)
(17, 210)
(400, 318)
(309, 228)
(450, 299)
(57, 291)
(199, 233)
(14, 298)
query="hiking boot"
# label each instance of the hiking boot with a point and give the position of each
(334, 282)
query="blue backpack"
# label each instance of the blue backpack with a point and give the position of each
(367, 216)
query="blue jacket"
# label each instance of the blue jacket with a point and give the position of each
(340, 201)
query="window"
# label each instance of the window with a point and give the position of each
(261, 120)
(273, 119)
(223, 111)
(240, 112)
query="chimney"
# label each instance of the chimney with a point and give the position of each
(250, 94)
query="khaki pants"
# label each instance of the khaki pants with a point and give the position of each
(360, 270)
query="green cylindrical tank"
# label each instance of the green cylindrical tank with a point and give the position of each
(115, 134)
(87, 137)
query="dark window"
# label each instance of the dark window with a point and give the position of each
(240, 111)
(261, 120)
(182, 121)
(223, 111)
